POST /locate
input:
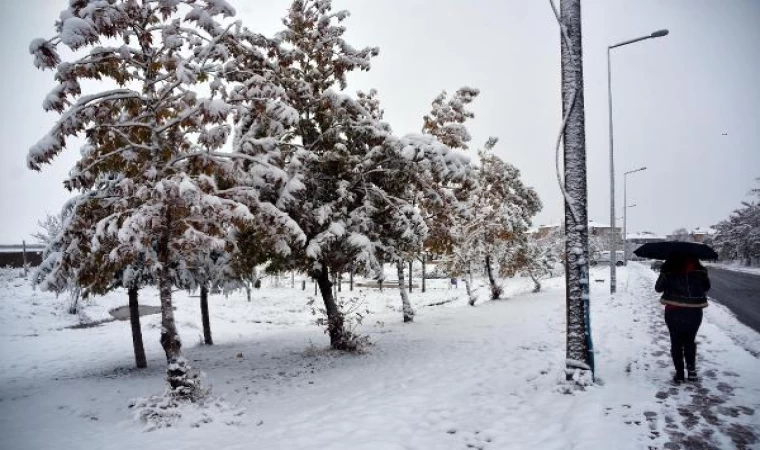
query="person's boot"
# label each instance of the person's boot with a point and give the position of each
(678, 378)
(691, 374)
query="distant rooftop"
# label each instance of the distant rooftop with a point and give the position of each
(645, 235)
(591, 224)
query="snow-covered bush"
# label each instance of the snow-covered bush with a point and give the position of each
(354, 311)
(165, 411)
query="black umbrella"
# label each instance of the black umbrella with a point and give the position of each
(668, 249)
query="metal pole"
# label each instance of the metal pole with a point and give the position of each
(613, 240)
(625, 220)
(613, 252)
(625, 212)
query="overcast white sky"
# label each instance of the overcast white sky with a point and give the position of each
(674, 97)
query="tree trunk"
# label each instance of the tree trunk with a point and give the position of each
(423, 272)
(134, 319)
(204, 316)
(340, 281)
(248, 290)
(471, 298)
(406, 306)
(410, 276)
(335, 326)
(23, 255)
(178, 370)
(495, 289)
(536, 282)
(74, 294)
(579, 349)
(351, 280)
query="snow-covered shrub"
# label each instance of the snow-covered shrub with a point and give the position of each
(168, 410)
(354, 312)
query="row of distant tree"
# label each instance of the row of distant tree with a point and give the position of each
(211, 151)
(737, 238)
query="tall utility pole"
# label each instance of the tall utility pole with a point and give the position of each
(579, 351)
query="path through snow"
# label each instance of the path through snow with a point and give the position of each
(457, 378)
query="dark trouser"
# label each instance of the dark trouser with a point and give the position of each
(683, 324)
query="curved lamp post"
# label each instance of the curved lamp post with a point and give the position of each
(613, 237)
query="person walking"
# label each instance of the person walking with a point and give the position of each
(683, 282)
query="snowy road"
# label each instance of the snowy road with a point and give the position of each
(740, 292)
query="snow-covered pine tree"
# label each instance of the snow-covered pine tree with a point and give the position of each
(210, 272)
(70, 264)
(447, 117)
(252, 251)
(300, 128)
(503, 209)
(491, 222)
(425, 191)
(133, 278)
(145, 177)
(50, 229)
(332, 159)
(443, 205)
(539, 257)
(737, 238)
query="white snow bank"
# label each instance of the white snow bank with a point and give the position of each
(736, 267)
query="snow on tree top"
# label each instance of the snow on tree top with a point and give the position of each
(76, 32)
(337, 228)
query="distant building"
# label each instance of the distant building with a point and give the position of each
(595, 229)
(635, 240)
(13, 255)
(644, 237)
(700, 235)
(696, 235)
(604, 231)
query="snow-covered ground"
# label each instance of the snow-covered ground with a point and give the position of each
(736, 267)
(459, 377)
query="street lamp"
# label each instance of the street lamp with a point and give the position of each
(625, 215)
(613, 244)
